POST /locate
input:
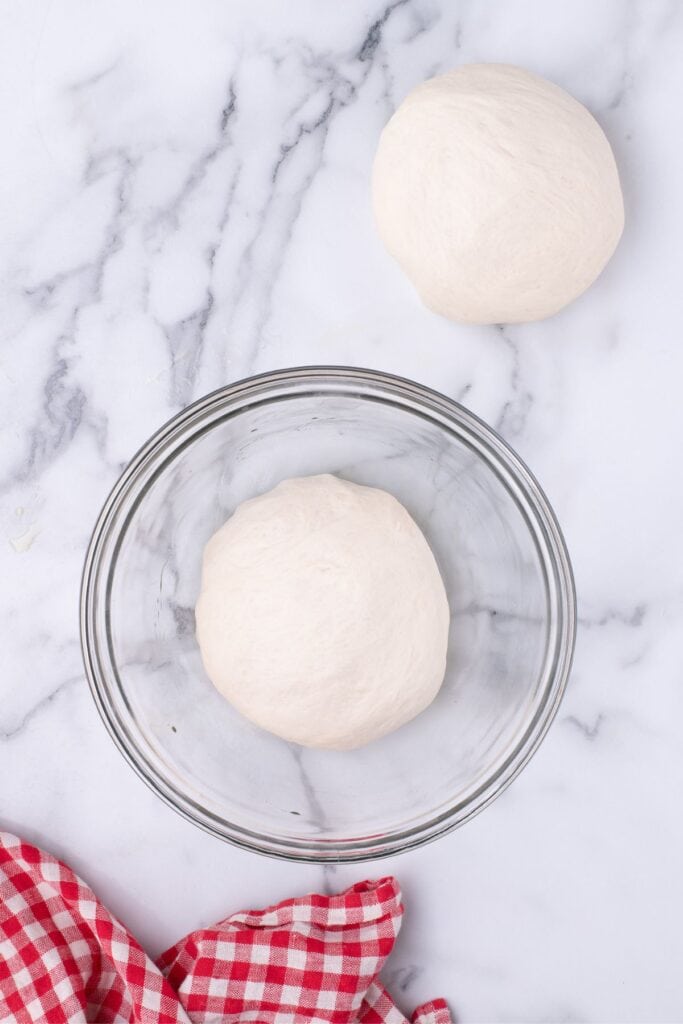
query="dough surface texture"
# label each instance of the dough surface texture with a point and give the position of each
(497, 193)
(322, 615)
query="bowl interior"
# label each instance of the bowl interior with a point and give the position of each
(246, 784)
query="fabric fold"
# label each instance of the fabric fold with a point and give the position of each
(64, 959)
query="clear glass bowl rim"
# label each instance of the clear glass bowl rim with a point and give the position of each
(351, 380)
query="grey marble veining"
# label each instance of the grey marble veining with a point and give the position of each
(183, 201)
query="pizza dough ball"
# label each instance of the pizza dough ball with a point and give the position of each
(498, 194)
(322, 615)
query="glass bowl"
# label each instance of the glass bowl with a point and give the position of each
(501, 555)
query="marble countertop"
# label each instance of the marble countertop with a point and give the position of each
(183, 202)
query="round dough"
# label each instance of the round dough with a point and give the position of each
(498, 194)
(322, 615)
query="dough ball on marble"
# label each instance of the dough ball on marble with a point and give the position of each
(322, 615)
(497, 193)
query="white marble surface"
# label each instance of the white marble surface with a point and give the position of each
(184, 201)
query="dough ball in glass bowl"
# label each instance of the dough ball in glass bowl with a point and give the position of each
(322, 615)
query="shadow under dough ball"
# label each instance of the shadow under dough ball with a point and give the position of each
(497, 193)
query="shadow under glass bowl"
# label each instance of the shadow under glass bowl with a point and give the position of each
(501, 555)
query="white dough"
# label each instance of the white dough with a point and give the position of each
(498, 194)
(322, 615)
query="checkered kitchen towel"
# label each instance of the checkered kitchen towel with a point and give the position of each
(64, 958)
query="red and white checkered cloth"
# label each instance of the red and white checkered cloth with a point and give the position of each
(65, 960)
